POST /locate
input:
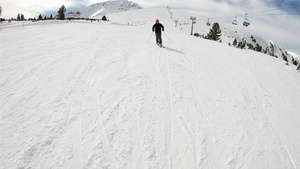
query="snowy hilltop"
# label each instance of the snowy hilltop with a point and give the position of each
(102, 9)
(245, 39)
(104, 95)
(181, 21)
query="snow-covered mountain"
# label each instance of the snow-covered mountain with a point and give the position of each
(104, 95)
(104, 8)
(229, 31)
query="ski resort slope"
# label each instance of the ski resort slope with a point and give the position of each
(100, 95)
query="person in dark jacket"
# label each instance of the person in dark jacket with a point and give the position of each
(158, 27)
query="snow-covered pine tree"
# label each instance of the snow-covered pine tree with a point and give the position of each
(215, 32)
(250, 46)
(234, 42)
(272, 49)
(258, 48)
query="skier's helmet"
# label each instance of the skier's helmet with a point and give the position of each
(157, 20)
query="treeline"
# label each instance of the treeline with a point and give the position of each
(21, 17)
(60, 15)
(215, 34)
(89, 19)
(244, 45)
(269, 50)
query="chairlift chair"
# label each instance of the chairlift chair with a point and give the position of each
(234, 22)
(208, 23)
(246, 21)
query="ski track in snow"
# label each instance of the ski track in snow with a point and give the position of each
(104, 98)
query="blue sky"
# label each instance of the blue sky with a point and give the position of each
(277, 20)
(287, 3)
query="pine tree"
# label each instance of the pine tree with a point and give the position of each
(295, 62)
(240, 44)
(250, 46)
(272, 50)
(51, 17)
(266, 51)
(285, 58)
(215, 32)
(18, 17)
(243, 44)
(234, 42)
(22, 17)
(258, 48)
(61, 12)
(40, 17)
(104, 18)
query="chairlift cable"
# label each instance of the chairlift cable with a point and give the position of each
(271, 10)
(274, 14)
(264, 11)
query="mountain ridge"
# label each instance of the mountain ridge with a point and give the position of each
(103, 8)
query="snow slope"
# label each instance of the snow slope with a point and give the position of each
(181, 20)
(100, 95)
(295, 56)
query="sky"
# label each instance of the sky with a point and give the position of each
(277, 20)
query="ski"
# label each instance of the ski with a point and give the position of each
(160, 45)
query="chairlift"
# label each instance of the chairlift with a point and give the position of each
(246, 21)
(208, 23)
(234, 22)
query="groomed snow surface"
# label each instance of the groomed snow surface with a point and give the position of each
(100, 95)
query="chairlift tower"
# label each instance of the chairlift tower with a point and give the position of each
(193, 22)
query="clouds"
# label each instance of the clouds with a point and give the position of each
(33, 8)
(283, 28)
(11, 8)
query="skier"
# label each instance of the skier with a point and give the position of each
(158, 27)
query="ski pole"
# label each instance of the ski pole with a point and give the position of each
(166, 35)
(149, 38)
